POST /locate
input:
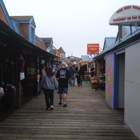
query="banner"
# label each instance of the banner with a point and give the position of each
(92, 48)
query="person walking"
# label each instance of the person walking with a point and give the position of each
(43, 68)
(92, 71)
(48, 85)
(63, 76)
(76, 68)
(81, 73)
(72, 78)
(78, 76)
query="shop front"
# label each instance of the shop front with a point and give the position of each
(86, 65)
(100, 73)
(8, 72)
(19, 67)
(122, 67)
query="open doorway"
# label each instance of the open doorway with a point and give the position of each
(121, 78)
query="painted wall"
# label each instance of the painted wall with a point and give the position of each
(24, 30)
(40, 44)
(132, 88)
(62, 55)
(2, 16)
(109, 88)
(32, 34)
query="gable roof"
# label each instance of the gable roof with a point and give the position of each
(61, 50)
(21, 18)
(24, 19)
(109, 41)
(122, 43)
(16, 26)
(47, 40)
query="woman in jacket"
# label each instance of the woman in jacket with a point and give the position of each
(49, 84)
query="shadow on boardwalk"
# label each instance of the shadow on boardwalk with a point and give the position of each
(87, 117)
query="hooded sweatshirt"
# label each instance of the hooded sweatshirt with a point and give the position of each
(49, 83)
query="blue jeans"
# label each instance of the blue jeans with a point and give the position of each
(62, 90)
(72, 80)
(49, 97)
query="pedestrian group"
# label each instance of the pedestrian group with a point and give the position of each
(59, 81)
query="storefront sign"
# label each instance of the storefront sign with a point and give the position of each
(127, 15)
(92, 48)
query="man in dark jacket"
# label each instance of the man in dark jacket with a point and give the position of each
(81, 73)
(72, 78)
(76, 68)
(63, 76)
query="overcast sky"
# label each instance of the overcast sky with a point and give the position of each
(71, 23)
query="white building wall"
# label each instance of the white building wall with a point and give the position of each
(62, 55)
(132, 88)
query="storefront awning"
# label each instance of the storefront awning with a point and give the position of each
(10, 36)
(57, 61)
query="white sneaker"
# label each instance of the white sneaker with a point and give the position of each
(51, 107)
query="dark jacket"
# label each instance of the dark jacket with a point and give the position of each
(72, 70)
(81, 72)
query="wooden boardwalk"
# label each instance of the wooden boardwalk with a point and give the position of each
(87, 117)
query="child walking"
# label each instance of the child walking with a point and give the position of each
(49, 84)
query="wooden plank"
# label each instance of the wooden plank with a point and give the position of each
(87, 117)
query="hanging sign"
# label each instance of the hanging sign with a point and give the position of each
(127, 15)
(93, 48)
